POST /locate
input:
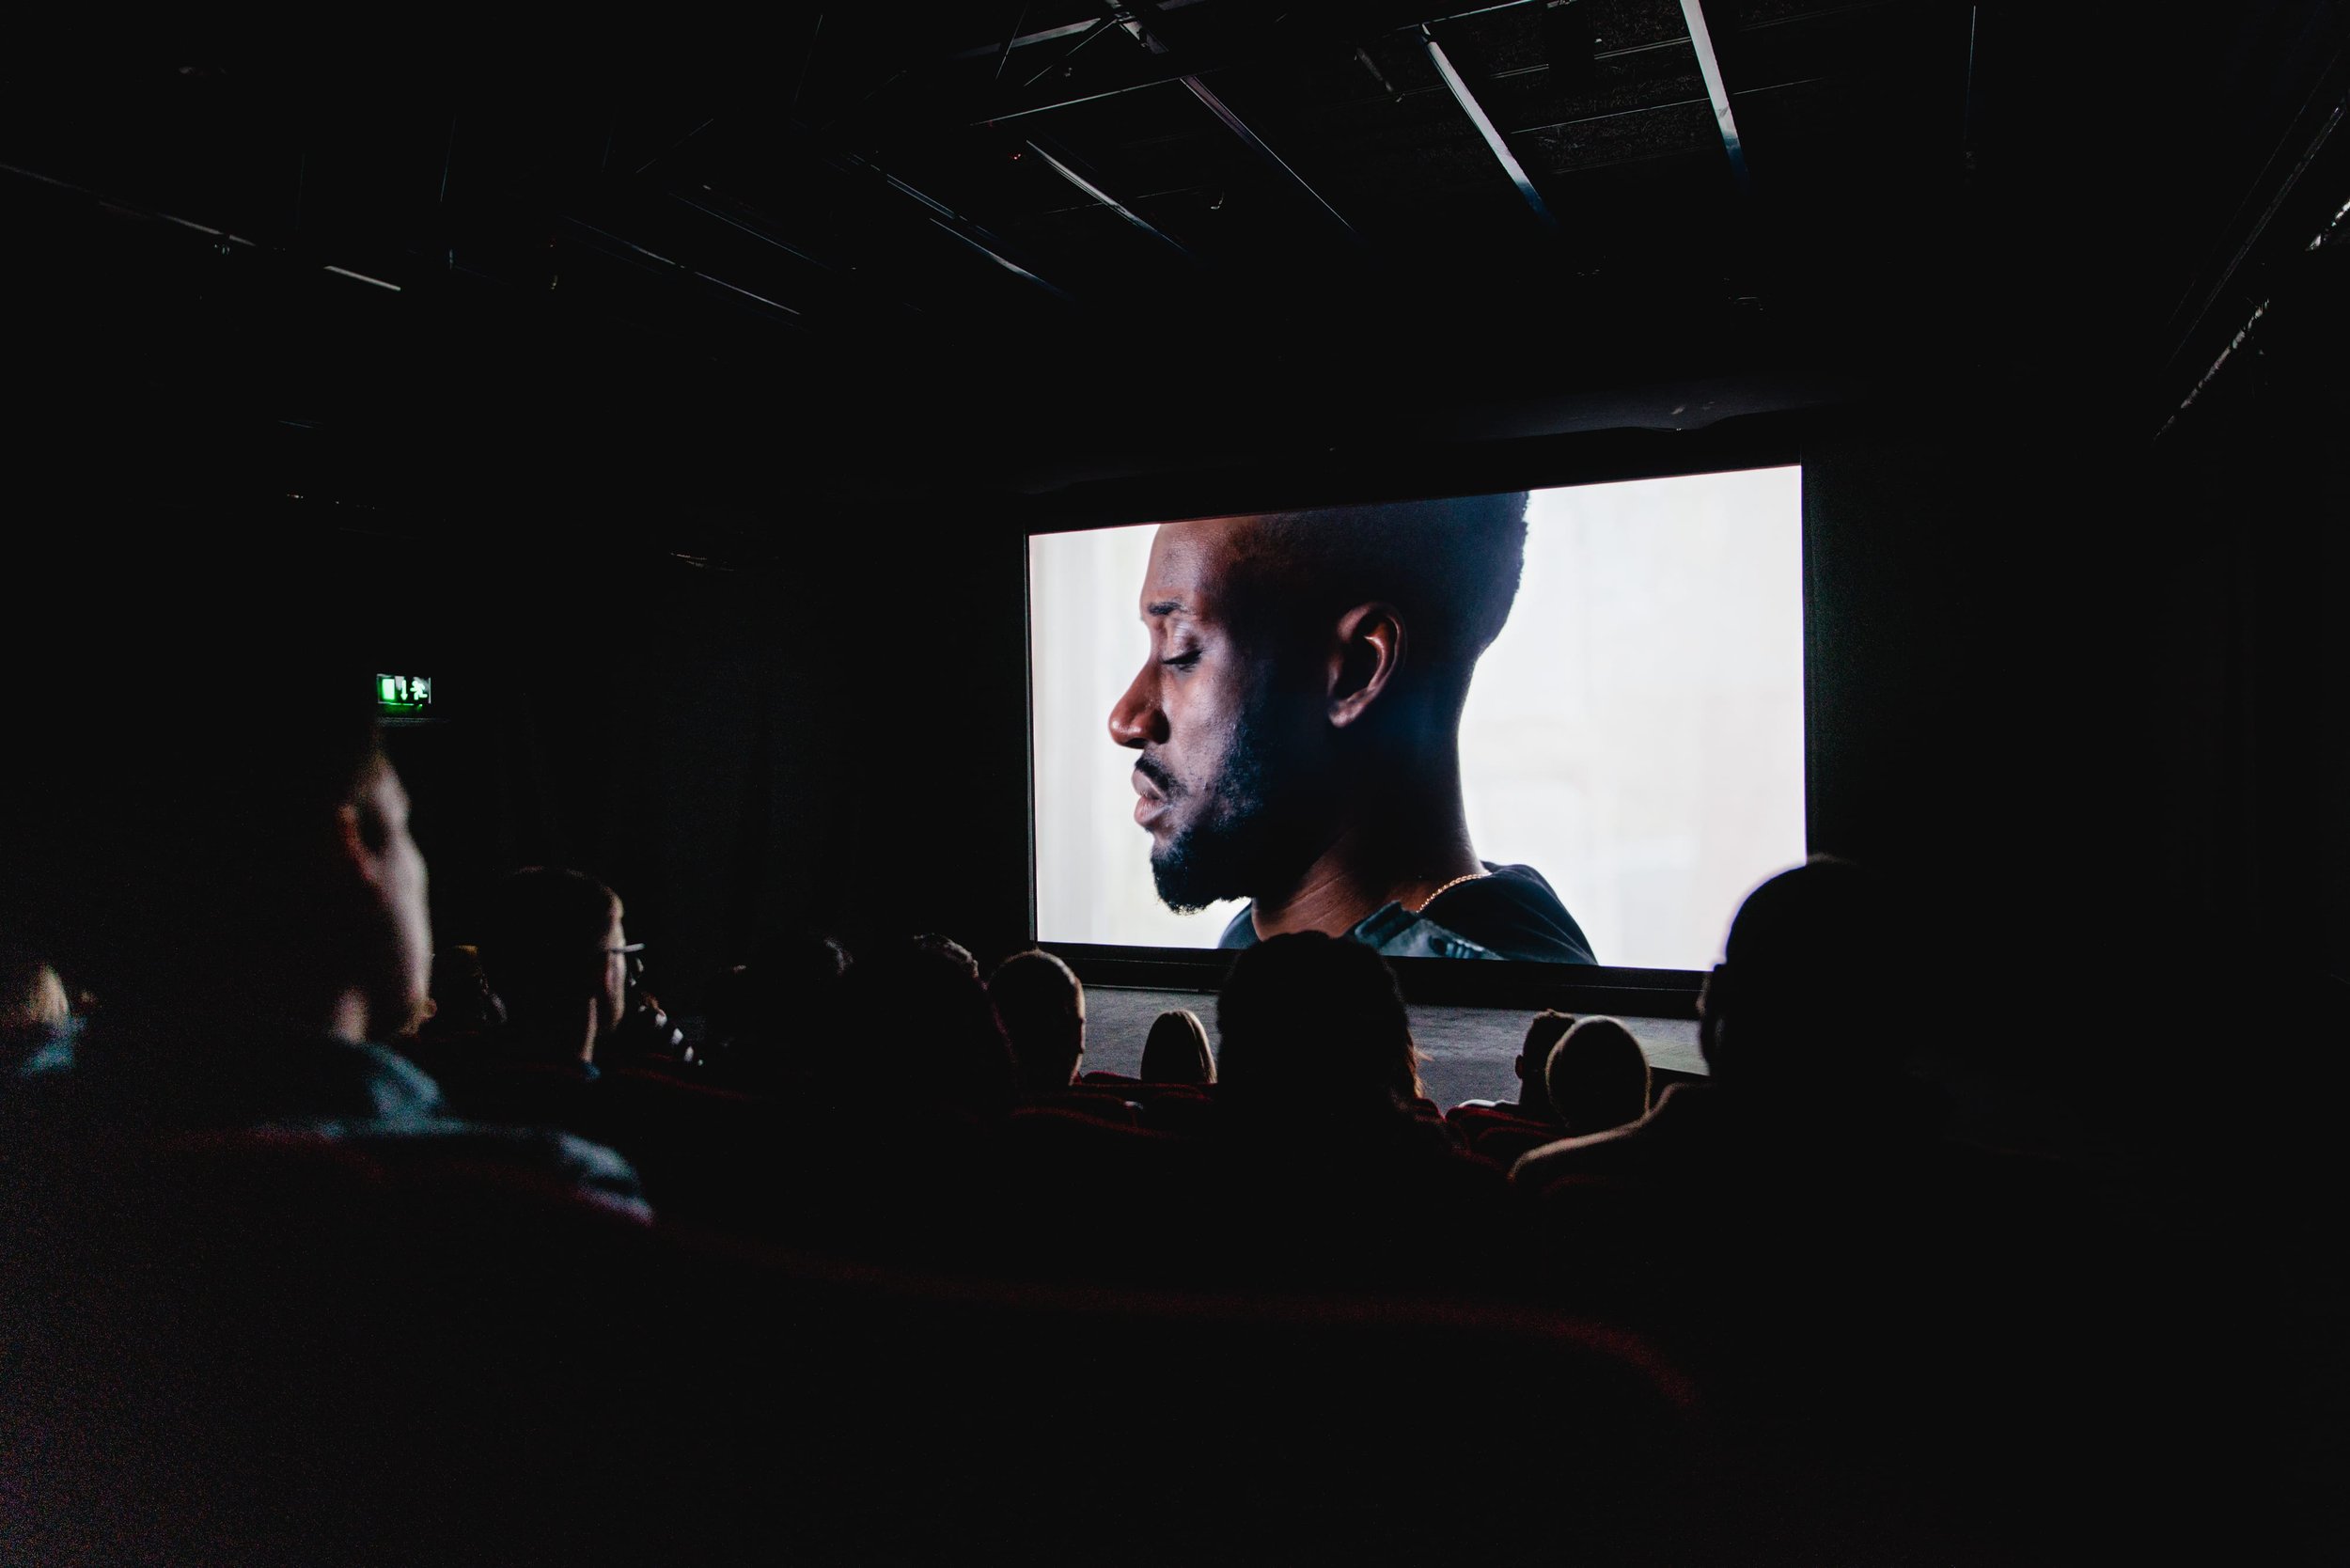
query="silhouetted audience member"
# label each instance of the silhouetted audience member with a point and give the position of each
(1339, 1169)
(463, 1005)
(1313, 1027)
(1596, 1077)
(1502, 1131)
(947, 951)
(32, 996)
(1890, 1301)
(1043, 1008)
(1801, 1031)
(1543, 1035)
(1176, 1050)
(555, 953)
(775, 1023)
(35, 1011)
(244, 891)
(929, 1041)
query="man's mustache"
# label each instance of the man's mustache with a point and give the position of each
(1161, 780)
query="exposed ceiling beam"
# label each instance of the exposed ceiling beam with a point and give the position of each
(1280, 39)
(614, 246)
(1005, 53)
(748, 220)
(967, 230)
(1047, 34)
(1169, 67)
(1710, 66)
(1063, 60)
(1065, 164)
(1239, 127)
(1284, 39)
(1022, 40)
(742, 216)
(1485, 128)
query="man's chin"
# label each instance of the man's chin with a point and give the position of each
(1182, 887)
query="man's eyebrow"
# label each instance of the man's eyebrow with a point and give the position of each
(1165, 607)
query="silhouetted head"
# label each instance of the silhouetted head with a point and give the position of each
(1176, 1050)
(552, 946)
(925, 1031)
(1313, 1024)
(1598, 1077)
(1043, 1008)
(1541, 1035)
(240, 863)
(777, 1018)
(805, 967)
(1299, 661)
(464, 1002)
(32, 996)
(1806, 998)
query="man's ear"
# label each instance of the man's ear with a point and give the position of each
(1369, 649)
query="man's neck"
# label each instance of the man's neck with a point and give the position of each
(1400, 853)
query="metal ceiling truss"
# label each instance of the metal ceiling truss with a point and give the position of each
(1067, 165)
(1171, 64)
(962, 227)
(968, 231)
(1142, 34)
(1485, 128)
(1285, 34)
(1710, 68)
(1048, 34)
(1064, 61)
(612, 245)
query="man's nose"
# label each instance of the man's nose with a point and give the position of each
(1137, 720)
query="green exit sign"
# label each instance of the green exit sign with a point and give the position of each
(406, 694)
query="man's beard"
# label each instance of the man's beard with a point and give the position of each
(1217, 854)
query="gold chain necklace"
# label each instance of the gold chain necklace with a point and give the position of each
(1446, 888)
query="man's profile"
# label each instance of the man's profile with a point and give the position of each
(1299, 722)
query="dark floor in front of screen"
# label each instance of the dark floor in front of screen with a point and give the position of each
(1466, 1052)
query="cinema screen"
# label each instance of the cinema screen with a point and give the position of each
(1561, 725)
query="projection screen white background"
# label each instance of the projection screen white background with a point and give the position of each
(1636, 734)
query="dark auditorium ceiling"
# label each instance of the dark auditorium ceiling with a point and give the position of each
(1056, 226)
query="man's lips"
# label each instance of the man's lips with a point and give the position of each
(1151, 801)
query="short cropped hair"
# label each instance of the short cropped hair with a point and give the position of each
(1598, 1076)
(1809, 992)
(1449, 567)
(1314, 1022)
(927, 1033)
(1041, 1006)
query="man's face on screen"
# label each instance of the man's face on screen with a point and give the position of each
(1206, 714)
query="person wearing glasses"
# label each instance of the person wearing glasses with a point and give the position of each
(241, 893)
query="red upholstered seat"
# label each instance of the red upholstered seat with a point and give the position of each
(1086, 1101)
(1500, 1133)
